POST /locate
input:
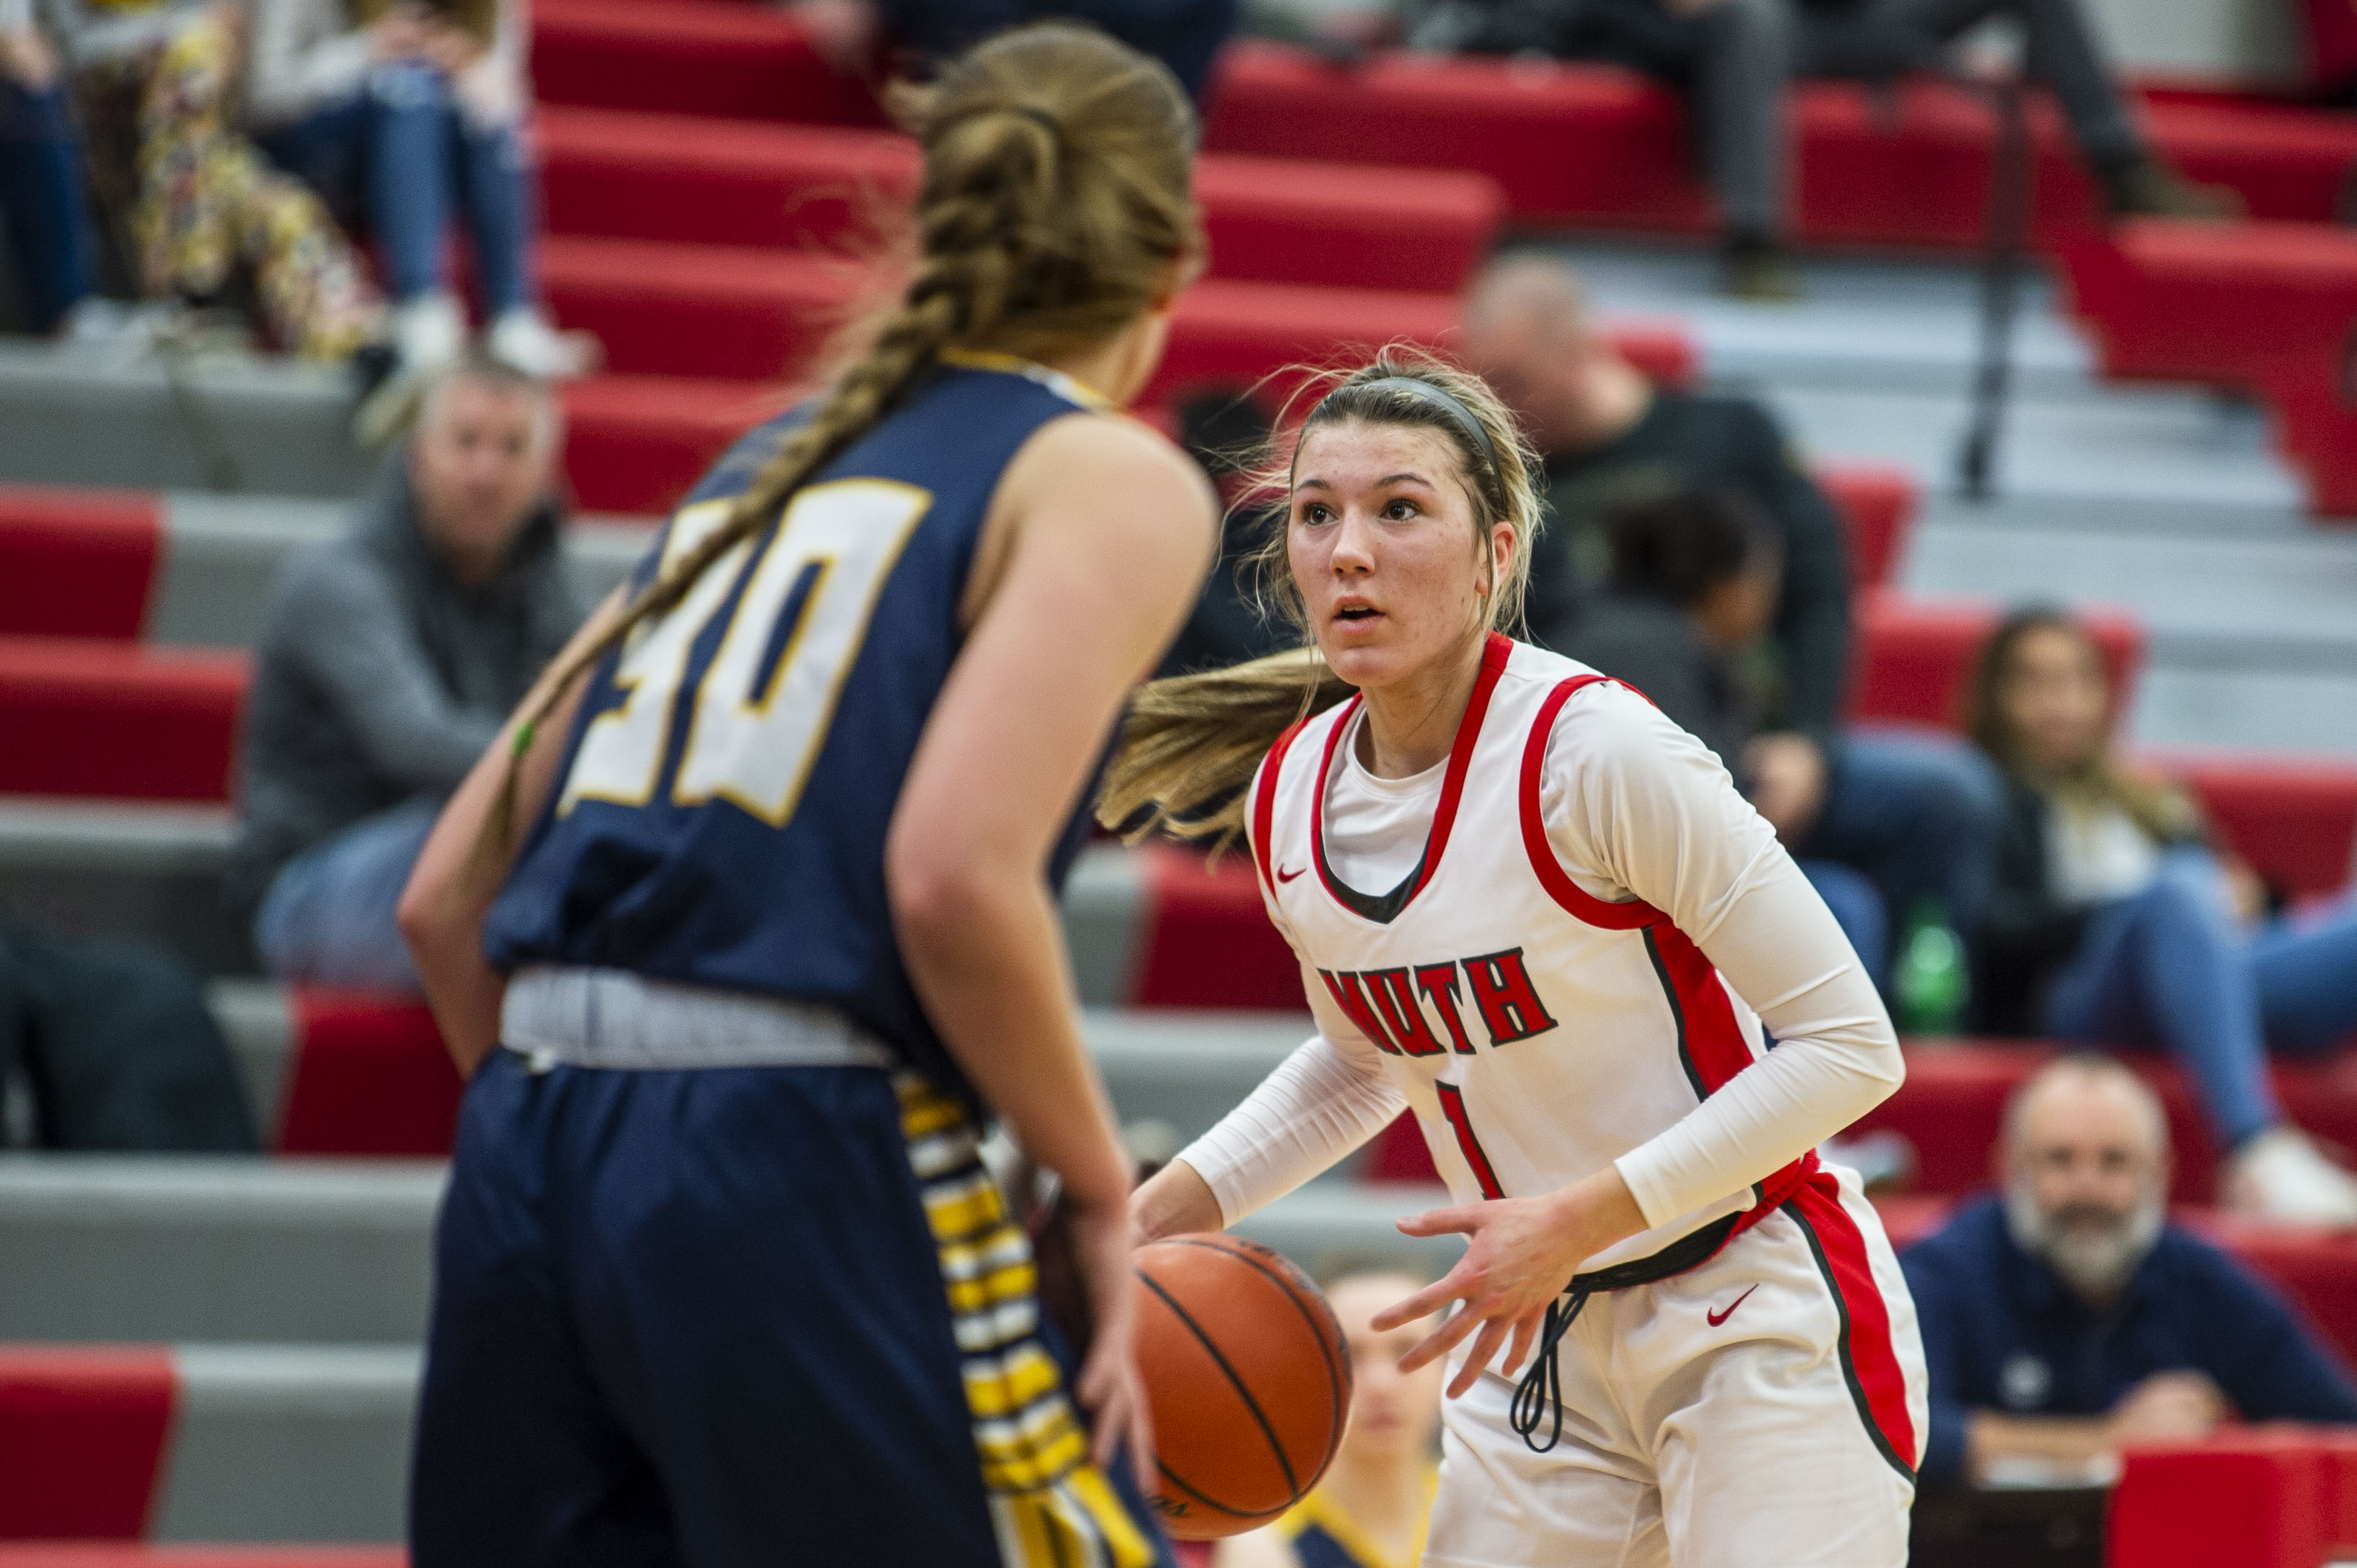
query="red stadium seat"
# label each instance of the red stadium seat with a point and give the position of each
(693, 179)
(2266, 1497)
(1912, 658)
(115, 1554)
(83, 1429)
(89, 717)
(1878, 511)
(2295, 822)
(76, 563)
(2213, 302)
(744, 62)
(369, 1075)
(637, 444)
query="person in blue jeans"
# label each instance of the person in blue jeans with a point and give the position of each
(2116, 919)
(414, 120)
(42, 202)
(388, 659)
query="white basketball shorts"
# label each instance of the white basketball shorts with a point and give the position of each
(1763, 1410)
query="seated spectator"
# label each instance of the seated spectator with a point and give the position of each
(1694, 587)
(2115, 920)
(2067, 1318)
(1184, 35)
(1371, 1508)
(1737, 59)
(1730, 56)
(388, 661)
(200, 210)
(111, 1044)
(1873, 39)
(41, 203)
(412, 114)
(1915, 811)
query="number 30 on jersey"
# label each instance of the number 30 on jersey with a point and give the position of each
(762, 708)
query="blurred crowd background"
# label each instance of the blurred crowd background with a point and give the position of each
(1946, 415)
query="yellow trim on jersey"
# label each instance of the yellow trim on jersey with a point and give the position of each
(1049, 1506)
(1319, 1511)
(1071, 388)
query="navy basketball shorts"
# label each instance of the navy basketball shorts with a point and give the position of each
(743, 1316)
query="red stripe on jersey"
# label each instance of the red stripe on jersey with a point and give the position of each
(1264, 800)
(1494, 654)
(1876, 1382)
(1581, 903)
(1715, 1039)
(1452, 1105)
(1718, 1047)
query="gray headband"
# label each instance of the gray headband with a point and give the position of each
(1438, 397)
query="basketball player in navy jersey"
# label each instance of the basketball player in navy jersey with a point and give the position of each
(719, 1278)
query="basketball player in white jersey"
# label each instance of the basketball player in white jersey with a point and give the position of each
(1537, 913)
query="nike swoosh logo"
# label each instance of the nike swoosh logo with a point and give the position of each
(1718, 1317)
(1284, 876)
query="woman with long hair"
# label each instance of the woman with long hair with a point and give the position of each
(1536, 912)
(2116, 919)
(719, 1278)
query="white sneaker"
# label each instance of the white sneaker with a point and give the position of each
(2279, 1175)
(429, 332)
(524, 339)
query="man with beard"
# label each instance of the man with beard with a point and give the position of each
(2067, 1318)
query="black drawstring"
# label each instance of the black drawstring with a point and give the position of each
(1542, 1386)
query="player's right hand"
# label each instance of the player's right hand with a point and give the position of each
(1109, 1387)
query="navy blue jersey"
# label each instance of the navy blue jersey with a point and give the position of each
(721, 813)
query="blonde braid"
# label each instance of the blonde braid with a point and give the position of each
(1055, 204)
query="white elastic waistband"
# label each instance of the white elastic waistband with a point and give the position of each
(613, 1018)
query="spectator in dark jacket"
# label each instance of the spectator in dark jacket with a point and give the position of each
(1223, 431)
(1914, 809)
(2067, 1318)
(391, 657)
(1693, 586)
(2115, 920)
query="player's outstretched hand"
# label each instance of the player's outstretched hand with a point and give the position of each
(1109, 1386)
(1523, 1253)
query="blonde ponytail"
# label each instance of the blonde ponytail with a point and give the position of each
(1056, 205)
(1192, 742)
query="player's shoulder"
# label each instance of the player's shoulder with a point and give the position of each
(1606, 711)
(1115, 446)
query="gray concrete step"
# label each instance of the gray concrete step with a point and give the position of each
(339, 1252)
(288, 1442)
(115, 869)
(220, 552)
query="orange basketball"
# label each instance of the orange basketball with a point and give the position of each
(1247, 1378)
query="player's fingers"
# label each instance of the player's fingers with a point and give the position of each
(1440, 1341)
(1423, 1304)
(1465, 1217)
(1484, 1347)
(1526, 1328)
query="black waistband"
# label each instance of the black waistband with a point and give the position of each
(1692, 1248)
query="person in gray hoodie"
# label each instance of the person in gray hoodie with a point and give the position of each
(389, 659)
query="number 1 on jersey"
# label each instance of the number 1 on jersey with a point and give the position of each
(1452, 1105)
(766, 701)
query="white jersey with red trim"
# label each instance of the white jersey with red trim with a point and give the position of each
(1538, 1031)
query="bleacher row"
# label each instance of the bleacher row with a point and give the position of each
(2264, 306)
(195, 1350)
